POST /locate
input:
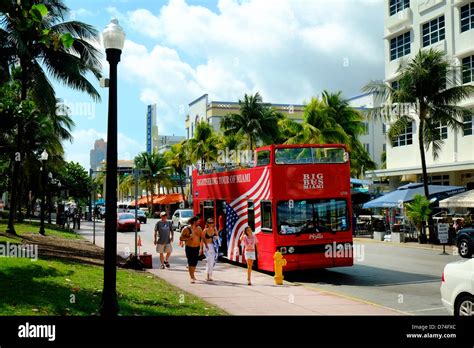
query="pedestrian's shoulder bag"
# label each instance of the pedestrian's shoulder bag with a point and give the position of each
(185, 233)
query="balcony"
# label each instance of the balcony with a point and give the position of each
(426, 5)
(399, 20)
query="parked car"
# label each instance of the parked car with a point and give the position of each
(141, 216)
(126, 222)
(465, 241)
(180, 218)
(457, 287)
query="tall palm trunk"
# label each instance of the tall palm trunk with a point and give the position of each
(15, 189)
(424, 174)
(423, 157)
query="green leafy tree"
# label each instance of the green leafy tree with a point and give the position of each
(418, 211)
(33, 34)
(422, 88)
(178, 158)
(256, 122)
(203, 146)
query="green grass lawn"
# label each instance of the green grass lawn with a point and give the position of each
(33, 227)
(66, 288)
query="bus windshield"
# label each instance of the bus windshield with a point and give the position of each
(310, 216)
(310, 155)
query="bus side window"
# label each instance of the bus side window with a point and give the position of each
(266, 214)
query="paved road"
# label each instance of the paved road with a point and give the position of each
(230, 291)
(402, 278)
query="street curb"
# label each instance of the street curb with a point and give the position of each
(402, 245)
(314, 288)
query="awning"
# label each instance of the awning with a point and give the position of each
(172, 198)
(406, 193)
(432, 168)
(462, 200)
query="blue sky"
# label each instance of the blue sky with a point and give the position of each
(177, 50)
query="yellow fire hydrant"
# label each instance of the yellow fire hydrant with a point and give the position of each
(278, 265)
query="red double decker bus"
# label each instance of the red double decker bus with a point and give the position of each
(297, 200)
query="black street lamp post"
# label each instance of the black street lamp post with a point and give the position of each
(43, 158)
(114, 38)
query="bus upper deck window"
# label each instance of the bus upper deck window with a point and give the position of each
(263, 158)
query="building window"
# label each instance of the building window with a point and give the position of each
(366, 128)
(367, 147)
(384, 147)
(400, 46)
(398, 5)
(440, 180)
(443, 130)
(433, 31)
(467, 17)
(467, 128)
(468, 69)
(406, 138)
(384, 128)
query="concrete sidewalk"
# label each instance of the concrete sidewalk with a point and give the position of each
(230, 291)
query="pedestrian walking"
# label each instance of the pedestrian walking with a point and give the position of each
(209, 237)
(192, 236)
(250, 250)
(164, 230)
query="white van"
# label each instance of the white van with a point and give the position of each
(122, 207)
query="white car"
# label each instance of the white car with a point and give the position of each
(457, 287)
(180, 218)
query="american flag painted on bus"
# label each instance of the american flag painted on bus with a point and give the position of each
(237, 218)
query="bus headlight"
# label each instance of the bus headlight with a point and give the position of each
(283, 250)
(291, 250)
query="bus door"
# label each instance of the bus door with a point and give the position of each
(265, 236)
(206, 211)
(221, 226)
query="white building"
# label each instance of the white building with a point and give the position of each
(374, 139)
(446, 25)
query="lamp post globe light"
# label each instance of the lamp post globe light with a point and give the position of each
(113, 38)
(43, 158)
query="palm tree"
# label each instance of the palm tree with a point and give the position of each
(141, 163)
(203, 147)
(255, 122)
(422, 86)
(177, 158)
(34, 35)
(318, 127)
(418, 211)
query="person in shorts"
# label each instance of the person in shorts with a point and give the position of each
(250, 250)
(192, 236)
(165, 233)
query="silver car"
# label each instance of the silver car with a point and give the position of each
(180, 218)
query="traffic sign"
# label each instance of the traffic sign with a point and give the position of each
(443, 233)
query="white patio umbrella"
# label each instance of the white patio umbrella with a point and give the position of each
(462, 200)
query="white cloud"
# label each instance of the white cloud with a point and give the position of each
(83, 142)
(287, 50)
